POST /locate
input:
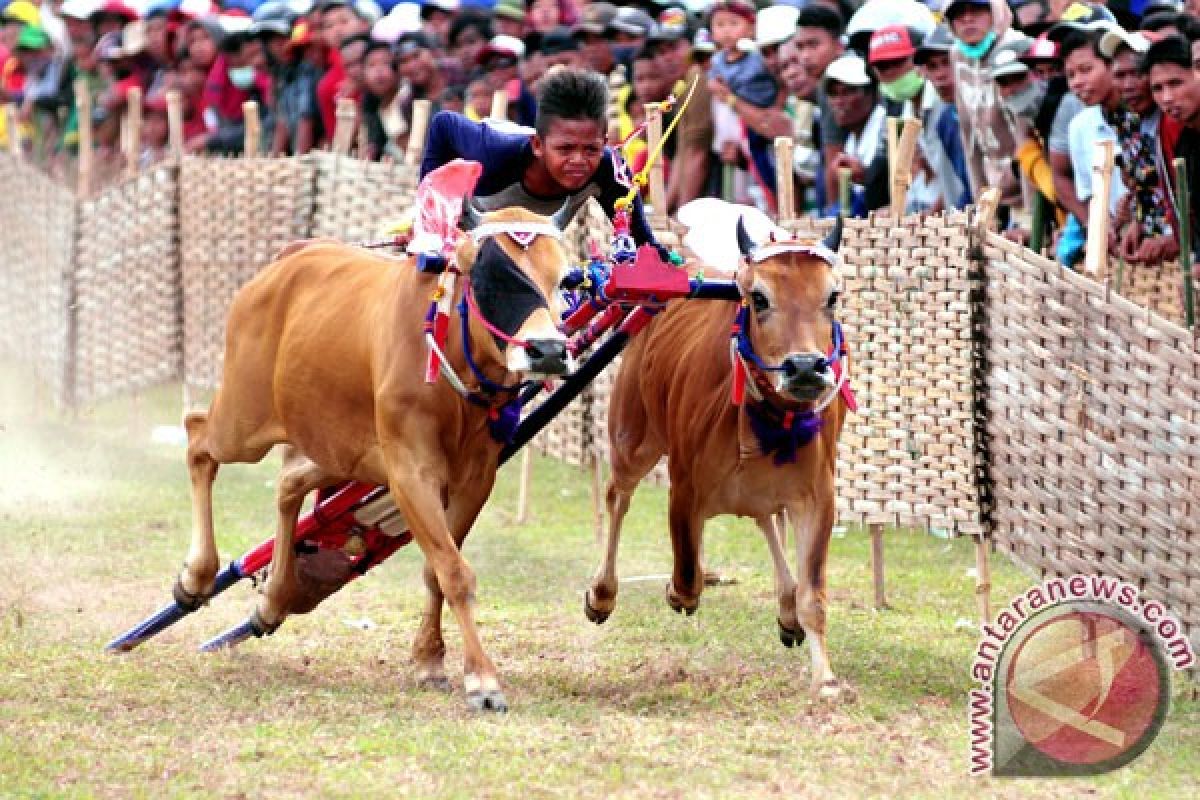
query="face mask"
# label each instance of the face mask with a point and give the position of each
(904, 88)
(241, 77)
(1028, 101)
(976, 51)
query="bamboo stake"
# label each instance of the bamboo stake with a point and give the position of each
(785, 180)
(983, 580)
(902, 168)
(1183, 204)
(343, 134)
(83, 115)
(416, 134)
(844, 178)
(11, 127)
(893, 143)
(523, 486)
(499, 105)
(252, 134)
(133, 132)
(175, 142)
(658, 185)
(1096, 252)
(1037, 234)
(877, 564)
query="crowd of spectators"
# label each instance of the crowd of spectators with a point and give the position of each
(1011, 94)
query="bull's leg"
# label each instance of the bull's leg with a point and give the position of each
(774, 532)
(687, 531)
(195, 583)
(601, 596)
(813, 529)
(298, 477)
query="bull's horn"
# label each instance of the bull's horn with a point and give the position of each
(470, 216)
(745, 243)
(834, 240)
(562, 217)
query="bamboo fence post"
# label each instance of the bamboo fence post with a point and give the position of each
(416, 134)
(893, 143)
(877, 564)
(133, 132)
(83, 114)
(1184, 210)
(175, 142)
(983, 580)
(252, 135)
(1037, 233)
(12, 129)
(499, 105)
(785, 179)
(902, 169)
(1096, 253)
(844, 177)
(658, 186)
(343, 133)
(523, 486)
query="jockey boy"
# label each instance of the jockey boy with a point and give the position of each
(563, 160)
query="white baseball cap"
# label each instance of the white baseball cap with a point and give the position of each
(849, 69)
(775, 25)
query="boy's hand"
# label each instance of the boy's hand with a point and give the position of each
(858, 173)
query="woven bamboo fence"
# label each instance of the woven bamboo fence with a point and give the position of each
(357, 200)
(37, 239)
(235, 215)
(1094, 430)
(1158, 287)
(127, 287)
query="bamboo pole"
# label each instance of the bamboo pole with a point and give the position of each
(1183, 206)
(902, 168)
(877, 564)
(499, 105)
(658, 185)
(785, 178)
(523, 486)
(983, 580)
(252, 134)
(1037, 233)
(893, 143)
(12, 128)
(844, 178)
(416, 134)
(343, 133)
(175, 142)
(133, 132)
(83, 115)
(1096, 252)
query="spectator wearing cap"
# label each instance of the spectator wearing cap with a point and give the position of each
(1042, 58)
(989, 135)
(560, 49)
(941, 138)
(1176, 90)
(561, 165)
(500, 65)
(298, 125)
(740, 74)
(383, 115)
(1148, 236)
(891, 53)
(436, 16)
(773, 26)
(112, 16)
(508, 18)
(628, 30)
(417, 66)
(339, 21)
(854, 103)
(592, 35)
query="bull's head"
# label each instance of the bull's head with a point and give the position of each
(792, 289)
(516, 268)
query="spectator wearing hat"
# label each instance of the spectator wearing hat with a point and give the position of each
(1043, 59)
(508, 18)
(436, 16)
(773, 26)
(628, 30)
(593, 39)
(1148, 236)
(941, 138)
(562, 164)
(854, 103)
(298, 125)
(989, 135)
(740, 74)
(500, 64)
(560, 49)
(891, 54)
(112, 16)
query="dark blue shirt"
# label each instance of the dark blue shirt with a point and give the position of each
(505, 154)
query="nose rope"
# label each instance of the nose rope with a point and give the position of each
(492, 329)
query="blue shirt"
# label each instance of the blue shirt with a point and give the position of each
(505, 154)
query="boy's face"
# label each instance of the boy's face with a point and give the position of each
(571, 151)
(728, 28)
(1088, 76)
(816, 48)
(1176, 92)
(938, 71)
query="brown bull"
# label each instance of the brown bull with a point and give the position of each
(325, 352)
(672, 396)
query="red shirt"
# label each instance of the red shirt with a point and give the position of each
(327, 91)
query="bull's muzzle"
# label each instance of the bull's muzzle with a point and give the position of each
(806, 375)
(548, 357)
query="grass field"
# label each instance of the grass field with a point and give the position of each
(93, 527)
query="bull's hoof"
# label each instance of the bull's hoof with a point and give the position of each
(677, 603)
(186, 600)
(789, 637)
(590, 611)
(434, 682)
(487, 700)
(833, 692)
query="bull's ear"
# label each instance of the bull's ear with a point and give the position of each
(834, 240)
(470, 216)
(745, 243)
(745, 278)
(562, 217)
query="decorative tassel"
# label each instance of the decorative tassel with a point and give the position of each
(440, 329)
(738, 395)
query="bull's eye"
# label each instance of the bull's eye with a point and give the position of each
(759, 299)
(832, 303)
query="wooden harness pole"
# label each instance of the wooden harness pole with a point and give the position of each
(785, 179)
(133, 132)
(417, 133)
(877, 564)
(1096, 253)
(523, 486)
(253, 129)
